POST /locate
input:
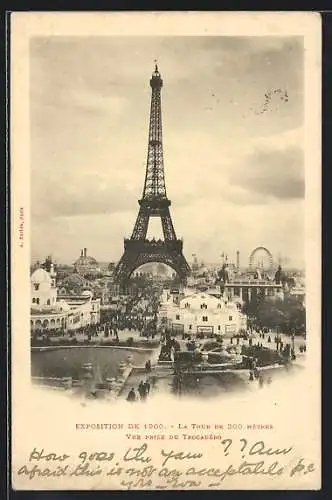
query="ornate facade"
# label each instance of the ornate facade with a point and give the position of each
(202, 313)
(50, 311)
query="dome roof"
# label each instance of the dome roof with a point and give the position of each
(40, 276)
(74, 278)
(85, 261)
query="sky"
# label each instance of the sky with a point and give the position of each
(234, 165)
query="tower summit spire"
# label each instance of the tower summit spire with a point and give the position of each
(154, 185)
(153, 203)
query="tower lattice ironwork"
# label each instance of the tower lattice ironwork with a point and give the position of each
(138, 250)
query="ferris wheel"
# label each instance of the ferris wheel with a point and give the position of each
(261, 258)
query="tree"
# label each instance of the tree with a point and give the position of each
(289, 314)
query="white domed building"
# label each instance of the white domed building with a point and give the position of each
(202, 313)
(50, 311)
(43, 288)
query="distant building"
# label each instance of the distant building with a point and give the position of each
(195, 266)
(202, 313)
(50, 311)
(248, 288)
(101, 289)
(84, 310)
(111, 267)
(299, 293)
(238, 287)
(73, 284)
(86, 265)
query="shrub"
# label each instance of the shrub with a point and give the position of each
(130, 341)
(264, 356)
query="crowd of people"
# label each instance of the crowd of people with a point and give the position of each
(138, 313)
(143, 391)
(89, 330)
(256, 375)
(132, 318)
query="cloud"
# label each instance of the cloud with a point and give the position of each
(85, 196)
(89, 116)
(233, 170)
(239, 195)
(272, 172)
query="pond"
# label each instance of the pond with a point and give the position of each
(67, 362)
(208, 386)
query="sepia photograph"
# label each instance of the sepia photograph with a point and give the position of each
(167, 214)
(167, 258)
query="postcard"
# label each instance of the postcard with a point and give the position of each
(166, 260)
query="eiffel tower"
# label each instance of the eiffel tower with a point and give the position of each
(138, 250)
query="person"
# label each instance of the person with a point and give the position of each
(131, 395)
(153, 381)
(147, 387)
(251, 376)
(148, 366)
(269, 339)
(261, 381)
(141, 389)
